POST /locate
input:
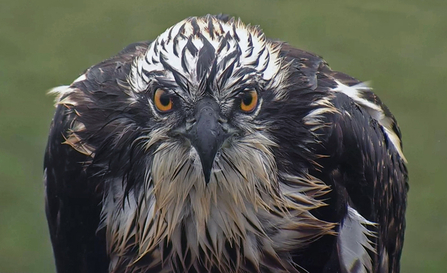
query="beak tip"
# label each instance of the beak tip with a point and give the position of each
(207, 178)
(207, 169)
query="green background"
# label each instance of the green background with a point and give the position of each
(401, 46)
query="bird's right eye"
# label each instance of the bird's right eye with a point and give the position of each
(162, 100)
(249, 101)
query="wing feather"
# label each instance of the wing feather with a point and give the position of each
(73, 191)
(361, 160)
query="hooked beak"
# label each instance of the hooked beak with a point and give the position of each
(206, 134)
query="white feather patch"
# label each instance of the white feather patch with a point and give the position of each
(353, 243)
(60, 91)
(376, 111)
(80, 78)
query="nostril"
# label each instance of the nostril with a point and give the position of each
(188, 126)
(222, 120)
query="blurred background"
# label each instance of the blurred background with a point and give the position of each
(401, 46)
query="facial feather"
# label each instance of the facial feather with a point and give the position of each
(234, 207)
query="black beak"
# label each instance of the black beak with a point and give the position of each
(207, 134)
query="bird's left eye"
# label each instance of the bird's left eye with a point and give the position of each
(162, 100)
(249, 101)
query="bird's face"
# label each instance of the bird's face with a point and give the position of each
(205, 82)
(202, 122)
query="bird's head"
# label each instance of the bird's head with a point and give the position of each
(206, 81)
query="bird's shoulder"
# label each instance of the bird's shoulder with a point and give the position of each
(361, 159)
(110, 73)
(73, 189)
(342, 95)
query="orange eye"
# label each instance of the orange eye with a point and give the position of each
(249, 101)
(162, 100)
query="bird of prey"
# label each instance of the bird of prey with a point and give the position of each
(215, 149)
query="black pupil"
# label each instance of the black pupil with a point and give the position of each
(247, 99)
(165, 99)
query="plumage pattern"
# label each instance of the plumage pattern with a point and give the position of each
(311, 179)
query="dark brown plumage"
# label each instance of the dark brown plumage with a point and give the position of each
(215, 149)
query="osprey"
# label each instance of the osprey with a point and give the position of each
(216, 149)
